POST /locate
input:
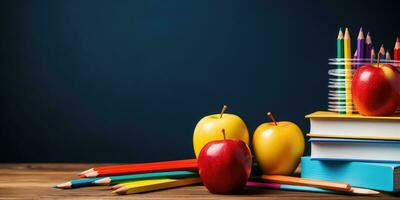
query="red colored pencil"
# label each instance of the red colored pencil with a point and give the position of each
(139, 165)
(114, 172)
(396, 51)
(191, 166)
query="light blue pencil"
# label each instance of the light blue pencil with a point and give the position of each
(77, 183)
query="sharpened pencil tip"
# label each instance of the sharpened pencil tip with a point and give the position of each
(382, 50)
(368, 39)
(397, 44)
(103, 181)
(360, 34)
(340, 35)
(346, 34)
(55, 186)
(121, 190)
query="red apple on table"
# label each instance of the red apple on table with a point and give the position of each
(225, 165)
(375, 89)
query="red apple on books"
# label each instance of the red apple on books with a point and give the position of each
(376, 89)
(225, 165)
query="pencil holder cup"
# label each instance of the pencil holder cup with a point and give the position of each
(340, 75)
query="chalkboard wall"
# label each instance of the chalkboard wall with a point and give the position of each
(127, 81)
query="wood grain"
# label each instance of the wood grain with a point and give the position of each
(35, 181)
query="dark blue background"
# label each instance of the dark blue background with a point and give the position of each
(127, 81)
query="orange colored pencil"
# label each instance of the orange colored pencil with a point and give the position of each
(308, 182)
(138, 165)
(191, 166)
(396, 51)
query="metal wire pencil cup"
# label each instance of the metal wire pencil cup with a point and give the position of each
(340, 73)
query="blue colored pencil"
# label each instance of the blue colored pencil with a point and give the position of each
(382, 53)
(77, 183)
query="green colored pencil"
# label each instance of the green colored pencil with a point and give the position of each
(112, 180)
(340, 55)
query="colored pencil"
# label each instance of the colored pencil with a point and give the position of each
(368, 46)
(382, 52)
(307, 182)
(77, 183)
(396, 51)
(155, 184)
(355, 61)
(136, 170)
(355, 55)
(133, 177)
(348, 71)
(359, 191)
(360, 45)
(372, 55)
(137, 165)
(339, 49)
(387, 56)
(340, 55)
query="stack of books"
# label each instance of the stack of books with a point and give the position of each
(363, 151)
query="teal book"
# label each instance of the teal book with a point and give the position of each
(372, 175)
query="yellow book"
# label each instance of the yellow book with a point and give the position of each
(154, 184)
(334, 125)
(327, 114)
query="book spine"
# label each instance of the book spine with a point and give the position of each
(358, 174)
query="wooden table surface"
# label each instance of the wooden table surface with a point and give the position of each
(35, 181)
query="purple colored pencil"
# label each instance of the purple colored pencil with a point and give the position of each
(360, 44)
(355, 56)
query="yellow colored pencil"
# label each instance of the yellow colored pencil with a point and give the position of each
(154, 184)
(348, 71)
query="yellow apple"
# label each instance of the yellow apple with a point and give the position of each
(209, 129)
(278, 146)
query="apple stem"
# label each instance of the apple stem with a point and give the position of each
(223, 111)
(223, 133)
(272, 118)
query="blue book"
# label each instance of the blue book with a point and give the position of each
(377, 176)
